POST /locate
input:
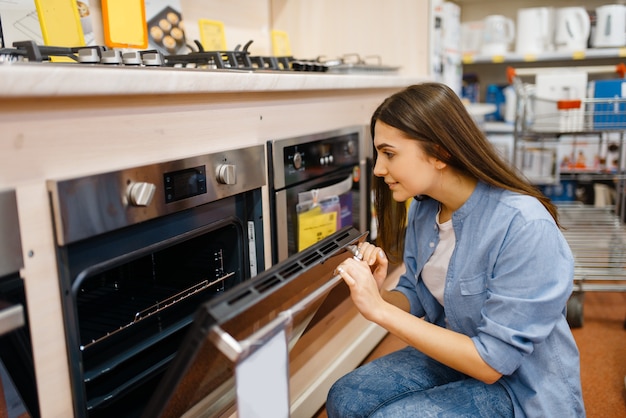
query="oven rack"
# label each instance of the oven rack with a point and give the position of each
(597, 238)
(129, 316)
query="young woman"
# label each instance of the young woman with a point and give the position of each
(482, 302)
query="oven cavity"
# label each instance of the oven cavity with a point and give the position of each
(131, 317)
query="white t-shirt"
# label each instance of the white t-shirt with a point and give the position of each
(436, 268)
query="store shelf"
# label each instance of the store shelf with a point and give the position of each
(588, 54)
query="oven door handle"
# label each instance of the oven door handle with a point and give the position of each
(237, 351)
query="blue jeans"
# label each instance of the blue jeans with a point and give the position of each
(409, 384)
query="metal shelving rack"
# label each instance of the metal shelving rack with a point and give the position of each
(596, 233)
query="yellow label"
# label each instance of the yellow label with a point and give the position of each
(315, 225)
(468, 58)
(212, 35)
(530, 57)
(497, 59)
(124, 23)
(578, 55)
(280, 43)
(622, 52)
(60, 23)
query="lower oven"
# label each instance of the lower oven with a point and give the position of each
(17, 372)
(318, 183)
(138, 251)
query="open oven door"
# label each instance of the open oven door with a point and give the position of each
(203, 369)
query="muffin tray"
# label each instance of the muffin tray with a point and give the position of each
(166, 32)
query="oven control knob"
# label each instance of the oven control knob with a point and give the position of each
(297, 160)
(350, 148)
(141, 193)
(226, 174)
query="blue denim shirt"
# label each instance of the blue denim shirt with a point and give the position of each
(507, 287)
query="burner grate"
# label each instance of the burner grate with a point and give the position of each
(238, 59)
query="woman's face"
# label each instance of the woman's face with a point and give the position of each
(403, 164)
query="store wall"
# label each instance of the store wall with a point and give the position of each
(395, 30)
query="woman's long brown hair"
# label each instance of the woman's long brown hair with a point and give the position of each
(433, 114)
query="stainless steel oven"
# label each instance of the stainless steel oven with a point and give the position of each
(17, 372)
(318, 183)
(138, 251)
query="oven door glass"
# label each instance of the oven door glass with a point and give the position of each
(132, 315)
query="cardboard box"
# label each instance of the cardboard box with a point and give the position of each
(609, 114)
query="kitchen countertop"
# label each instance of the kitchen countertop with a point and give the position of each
(58, 80)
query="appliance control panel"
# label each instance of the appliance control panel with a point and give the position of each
(311, 156)
(327, 152)
(183, 184)
(87, 206)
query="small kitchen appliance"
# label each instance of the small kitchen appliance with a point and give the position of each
(498, 34)
(610, 31)
(572, 29)
(535, 30)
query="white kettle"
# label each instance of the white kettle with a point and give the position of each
(572, 29)
(535, 30)
(610, 28)
(498, 33)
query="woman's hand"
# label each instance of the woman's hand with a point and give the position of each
(377, 261)
(365, 279)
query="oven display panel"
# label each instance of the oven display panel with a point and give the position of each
(184, 183)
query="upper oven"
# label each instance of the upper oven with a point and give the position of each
(138, 251)
(317, 185)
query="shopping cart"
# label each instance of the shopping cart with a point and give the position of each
(595, 232)
(568, 110)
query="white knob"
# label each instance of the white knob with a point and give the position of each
(297, 160)
(141, 193)
(227, 174)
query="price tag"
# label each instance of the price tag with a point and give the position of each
(468, 58)
(315, 225)
(280, 44)
(212, 35)
(124, 23)
(60, 23)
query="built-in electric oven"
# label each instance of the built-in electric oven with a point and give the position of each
(318, 183)
(138, 251)
(17, 372)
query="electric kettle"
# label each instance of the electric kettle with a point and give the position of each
(572, 29)
(498, 33)
(535, 30)
(610, 26)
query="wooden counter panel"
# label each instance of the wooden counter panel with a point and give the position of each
(62, 137)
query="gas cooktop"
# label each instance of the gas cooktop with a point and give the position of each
(238, 59)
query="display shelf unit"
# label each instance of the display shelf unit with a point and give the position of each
(595, 232)
(542, 123)
(575, 57)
